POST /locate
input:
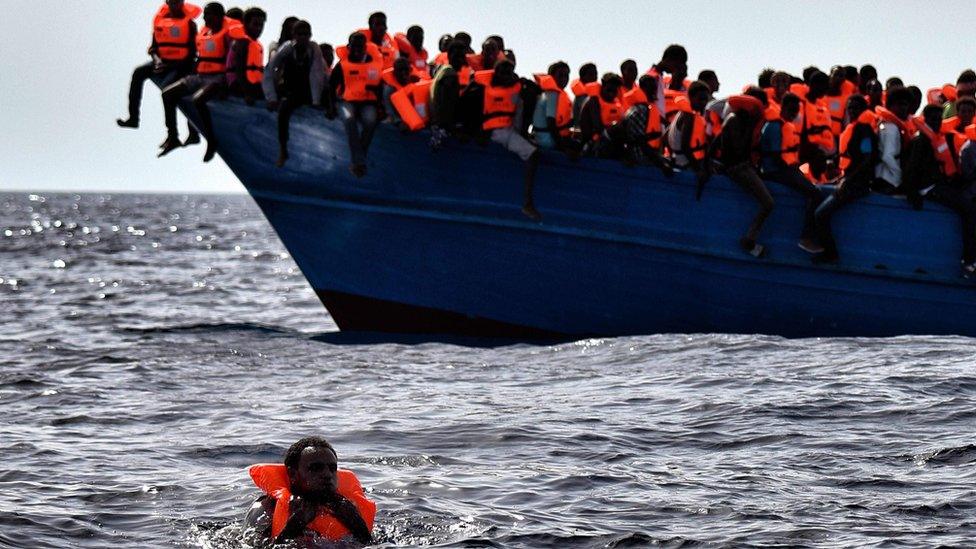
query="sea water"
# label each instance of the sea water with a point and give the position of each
(154, 346)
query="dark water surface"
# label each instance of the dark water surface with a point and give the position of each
(152, 347)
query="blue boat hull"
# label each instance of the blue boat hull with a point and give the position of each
(435, 242)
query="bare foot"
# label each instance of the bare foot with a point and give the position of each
(211, 151)
(129, 123)
(171, 144)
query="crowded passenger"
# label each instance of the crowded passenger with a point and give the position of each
(357, 81)
(844, 128)
(298, 64)
(213, 42)
(173, 55)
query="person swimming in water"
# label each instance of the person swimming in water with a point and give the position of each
(309, 497)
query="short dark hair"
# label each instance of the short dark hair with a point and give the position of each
(676, 52)
(235, 13)
(697, 87)
(868, 72)
(498, 40)
(611, 78)
(893, 82)
(626, 63)
(464, 38)
(809, 72)
(556, 66)
(707, 74)
(765, 79)
(965, 101)
(790, 98)
(850, 73)
(251, 13)
(214, 7)
(932, 110)
(375, 15)
(967, 76)
(587, 67)
(758, 93)
(412, 29)
(897, 95)
(294, 453)
(304, 24)
(858, 100)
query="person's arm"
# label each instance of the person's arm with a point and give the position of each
(240, 61)
(589, 122)
(316, 75)
(771, 145)
(192, 48)
(551, 104)
(890, 144)
(275, 64)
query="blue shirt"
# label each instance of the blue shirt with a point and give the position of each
(771, 146)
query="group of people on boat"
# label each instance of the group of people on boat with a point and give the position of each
(833, 137)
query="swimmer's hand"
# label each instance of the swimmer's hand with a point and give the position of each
(346, 512)
(301, 512)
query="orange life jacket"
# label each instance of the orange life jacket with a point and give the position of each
(611, 112)
(836, 106)
(867, 118)
(273, 480)
(212, 48)
(904, 127)
(387, 47)
(800, 90)
(671, 107)
(580, 89)
(360, 80)
(418, 59)
(942, 151)
(500, 104)
(254, 67)
(955, 135)
(699, 137)
(633, 97)
(564, 107)
(654, 132)
(816, 125)
(790, 148)
(464, 76)
(412, 103)
(440, 59)
(172, 35)
(390, 79)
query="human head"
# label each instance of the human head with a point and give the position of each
(874, 91)
(559, 71)
(648, 85)
(899, 101)
(765, 78)
(674, 57)
(504, 74)
(377, 25)
(856, 104)
(254, 19)
(867, 74)
(498, 40)
(851, 74)
(711, 79)
(213, 16)
(966, 84)
(328, 54)
(510, 55)
(415, 35)
(301, 33)
(357, 46)
(894, 82)
(933, 117)
(818, 85)
(402, 70)
(588, 73)
(235, 13)
(698, 95)
(916, 97)
(808, 72)
(781, 84)
(286, 28)
(758, 93)
(465, 39)
(489, 52)
(965, 110)
(313, 468)
(457, 54)
(175, 6)
(789, 106)
(610, 86)
(837, 78)
(444, 41)
(628, 72)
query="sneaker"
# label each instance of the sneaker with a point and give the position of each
(810, 246)
(130, 123)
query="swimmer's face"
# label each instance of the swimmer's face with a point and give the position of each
(316, 473)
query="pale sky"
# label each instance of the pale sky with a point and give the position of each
(66, 65)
